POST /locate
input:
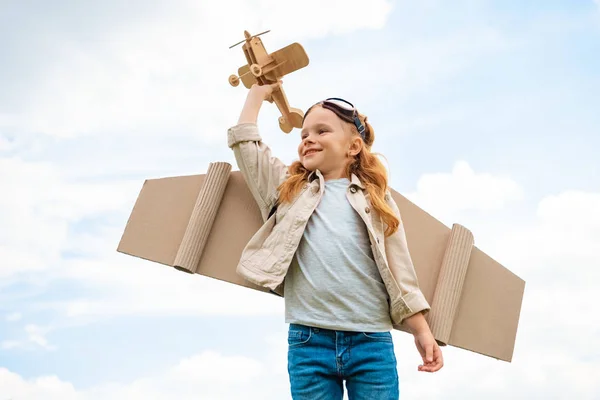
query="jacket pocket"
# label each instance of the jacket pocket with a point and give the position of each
(265, 260)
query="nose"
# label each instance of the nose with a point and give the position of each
(308, 139)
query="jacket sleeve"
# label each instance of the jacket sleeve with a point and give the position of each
(263, 172)
(401, 265)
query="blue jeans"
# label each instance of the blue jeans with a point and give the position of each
(320, 360)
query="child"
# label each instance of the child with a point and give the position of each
(333, 242)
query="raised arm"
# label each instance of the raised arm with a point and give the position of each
(263, 172)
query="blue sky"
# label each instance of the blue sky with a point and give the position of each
(486, 112)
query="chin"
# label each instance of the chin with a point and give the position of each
(309, 166)
(312, 163)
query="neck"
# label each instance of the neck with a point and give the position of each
(337, 174)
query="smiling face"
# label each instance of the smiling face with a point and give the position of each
(327, 145)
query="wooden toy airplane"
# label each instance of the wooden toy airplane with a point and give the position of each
(264, 68)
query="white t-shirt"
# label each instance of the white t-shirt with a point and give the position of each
(333, 281)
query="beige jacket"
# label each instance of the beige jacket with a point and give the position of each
(267, 256)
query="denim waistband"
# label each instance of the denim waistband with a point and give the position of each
(324, 331)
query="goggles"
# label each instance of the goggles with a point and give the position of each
(345, 110)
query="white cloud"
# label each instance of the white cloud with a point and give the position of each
(35, 337)
(38, 207)
(162, 291)
(46, 387)
(12, 317)
(447, 194)
(335, 17)
(5, 144)
(170, 72)
(29, 237)
(209, 368)
(10, 344)
(208, 375)
(561, 245)
(571, 210)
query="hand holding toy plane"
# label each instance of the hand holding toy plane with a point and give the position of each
(264, 68)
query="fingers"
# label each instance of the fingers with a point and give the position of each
(432, 367)
(436, 363)
(429, 352)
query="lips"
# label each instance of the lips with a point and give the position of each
(310, 151)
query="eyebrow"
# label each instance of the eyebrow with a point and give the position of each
(317, 125)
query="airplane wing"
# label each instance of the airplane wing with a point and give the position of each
(248, 79)
(291, 58)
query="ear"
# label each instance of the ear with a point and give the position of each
(355, 146)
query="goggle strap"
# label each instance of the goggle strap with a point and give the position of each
(360, 127)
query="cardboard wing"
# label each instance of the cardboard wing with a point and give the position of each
(200, 224)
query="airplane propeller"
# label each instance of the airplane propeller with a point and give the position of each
(248, 37)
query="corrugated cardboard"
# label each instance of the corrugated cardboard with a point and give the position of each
(201, 223)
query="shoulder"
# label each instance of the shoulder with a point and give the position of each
(388, 197)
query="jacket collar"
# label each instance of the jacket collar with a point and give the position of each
(354, 180)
